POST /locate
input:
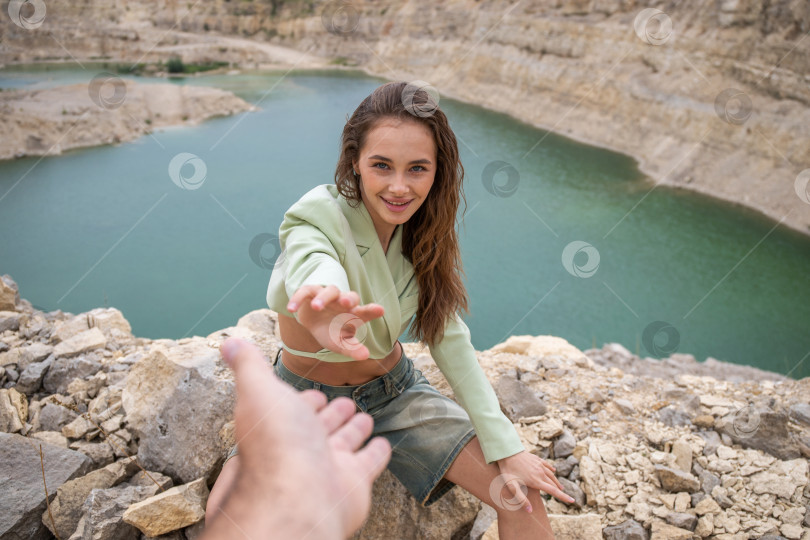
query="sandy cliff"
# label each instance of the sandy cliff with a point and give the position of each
(709, 96)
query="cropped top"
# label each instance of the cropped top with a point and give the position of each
(325, 241)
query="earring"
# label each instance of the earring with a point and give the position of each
(355, 172)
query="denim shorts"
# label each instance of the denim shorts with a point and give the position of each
(426, 429)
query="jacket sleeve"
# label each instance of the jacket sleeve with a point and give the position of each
(455, 357)
(310, 257)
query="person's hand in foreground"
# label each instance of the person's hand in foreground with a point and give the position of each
(334, 318)
(302, 472)
(527, 469)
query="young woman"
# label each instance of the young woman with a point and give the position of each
(359, 260)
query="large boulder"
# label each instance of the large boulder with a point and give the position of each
(109, 321)
(177, 399)
(21, 483)
(756, 426)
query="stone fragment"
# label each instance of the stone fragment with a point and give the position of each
(626, 530)
(21, 481)
(31, 378)
(51, 437)
(707, 506)
(800, 412)
(625, 406)
(9, 320)
(683, 455)
(55, 415)
(517, 399)
(564, 445)
(9, 294)
(682, 520)
(77, 428)
(760, 428)
(66, 507)
(675, 480)
(663, 531)
(64, 370)
(100, 452)
(82, 342)
(170, 510)
(10, 421)
(103, 509)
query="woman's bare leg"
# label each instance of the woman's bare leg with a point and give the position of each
(471, 471)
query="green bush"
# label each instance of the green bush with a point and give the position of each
(175, 65)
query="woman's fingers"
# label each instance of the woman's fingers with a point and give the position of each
(515, 487)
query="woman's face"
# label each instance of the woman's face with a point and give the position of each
(397, 163)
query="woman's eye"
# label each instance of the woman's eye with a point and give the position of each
(381, 163)
(419, 167)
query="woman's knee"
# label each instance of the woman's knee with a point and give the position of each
(221, 487)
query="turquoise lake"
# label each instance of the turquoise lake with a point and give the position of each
(676, 272)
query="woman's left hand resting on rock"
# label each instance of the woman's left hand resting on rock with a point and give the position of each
(526, 469)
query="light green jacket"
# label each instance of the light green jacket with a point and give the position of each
(325, 241)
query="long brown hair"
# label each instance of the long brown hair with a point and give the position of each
(429, 238)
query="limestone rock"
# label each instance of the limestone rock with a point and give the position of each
(675, 480)
(760, 428)
(662, 531)
(10, 421)
(64, 370)
(393, 508)
(103, 509)
(170, 510)
(626, 530)
(517, 399)
(83, 342)
(9, 320)
(9, 294)
(564, 445)
(177, 399)
(66, 507)
(31, 378)
(21, 483)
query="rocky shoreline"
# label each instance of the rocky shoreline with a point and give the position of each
(109, 110)
(671, 449)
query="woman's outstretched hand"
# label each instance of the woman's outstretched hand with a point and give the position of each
(526, 469)
(334, 318)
